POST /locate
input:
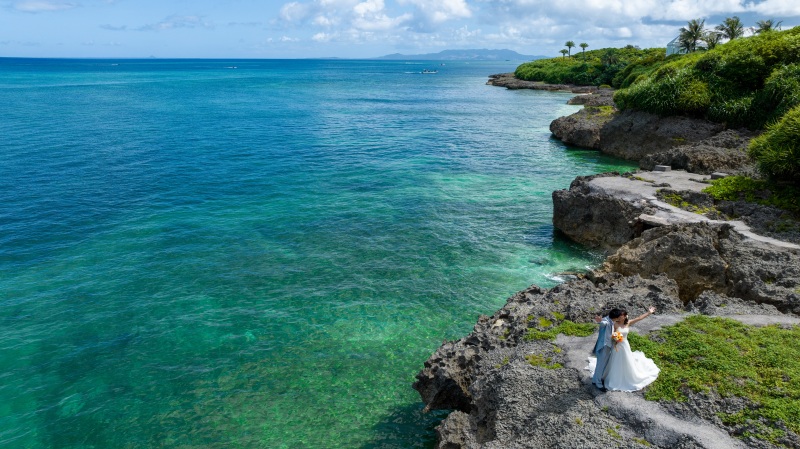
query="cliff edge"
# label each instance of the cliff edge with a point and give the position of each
(669, 246)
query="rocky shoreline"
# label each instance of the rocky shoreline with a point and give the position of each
(683, 257)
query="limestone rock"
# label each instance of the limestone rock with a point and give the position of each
(704, 257)
(509, 81)
(634, 134)
(595, 218)
(726, 151)
(582, 129)
(687, 254)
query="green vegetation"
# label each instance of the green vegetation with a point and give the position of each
(569, 46)
(680, 202)
(752, 82)
(614, 433)
(593, 67)
(542, 362)
(704, 354)
(566, 327)
(504, 362)
(731, 28)
(734, 188)
(777, 151)
(746, 82)
(691, 34)
(765, 26)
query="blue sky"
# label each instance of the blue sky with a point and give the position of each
(352, 28)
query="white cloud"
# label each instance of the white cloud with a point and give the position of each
(295, 12)
(34, 6)
(776, 7)
(343, 20)
(114, 27)
(530, 26)
(439, 11)
(370, 16)
(175, 22)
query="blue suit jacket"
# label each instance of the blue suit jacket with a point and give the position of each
(604, 337)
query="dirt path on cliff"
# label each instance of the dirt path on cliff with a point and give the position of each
(658, 426)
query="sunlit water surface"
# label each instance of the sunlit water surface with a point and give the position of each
(248, 254)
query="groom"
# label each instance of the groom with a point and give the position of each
(602, 349)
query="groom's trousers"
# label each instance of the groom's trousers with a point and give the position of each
(601, 367)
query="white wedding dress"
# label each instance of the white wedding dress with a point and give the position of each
(627, 370)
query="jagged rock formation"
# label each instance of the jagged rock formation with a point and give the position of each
(501, 398)
(508, 81)
(633, 135)
(724, 152)
(508, 390)
(703, 257)
(591, 216)
(582, 129)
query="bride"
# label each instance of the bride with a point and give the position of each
(627, 370)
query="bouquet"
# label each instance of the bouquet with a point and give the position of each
(617, 337)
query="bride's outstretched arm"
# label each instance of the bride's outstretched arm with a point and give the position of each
(649, 312)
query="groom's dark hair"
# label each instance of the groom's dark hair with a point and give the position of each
(616, 313)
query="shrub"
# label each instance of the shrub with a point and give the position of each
(591, 68)
(780, 94)
(735, 112)
(746, 82)
(777, 151)
(745, 69)
(734, 188)
(669, 92)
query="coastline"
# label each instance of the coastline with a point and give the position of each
(659, 253)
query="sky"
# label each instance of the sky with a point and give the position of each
(352, 28)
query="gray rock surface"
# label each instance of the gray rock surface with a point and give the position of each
(704, 257)
(634, 134)
(508, 390)
(605, 211)
(582, 129)
(506, 401)
(589, 215)
(508, 81)
(600, 97)
(664, 256)
(723, 152)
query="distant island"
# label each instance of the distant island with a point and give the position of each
(465, 55)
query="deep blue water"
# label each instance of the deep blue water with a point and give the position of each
(248, 254)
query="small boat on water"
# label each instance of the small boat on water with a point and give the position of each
(426, 71)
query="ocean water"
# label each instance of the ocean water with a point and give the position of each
(259, 254)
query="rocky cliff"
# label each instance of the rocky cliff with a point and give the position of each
(507, 388)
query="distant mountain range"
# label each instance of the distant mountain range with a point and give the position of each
(466, 55)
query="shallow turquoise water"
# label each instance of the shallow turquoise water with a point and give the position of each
(196, 255)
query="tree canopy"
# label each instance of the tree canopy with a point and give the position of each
(731, 28)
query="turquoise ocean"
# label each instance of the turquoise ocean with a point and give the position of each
(260, 253)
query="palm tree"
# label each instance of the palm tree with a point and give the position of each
(569, 45)
(691, 34)
(712, 38)
(609, 57)
(583, 46)
(765, 26)
(731, 28)
(563, 52)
